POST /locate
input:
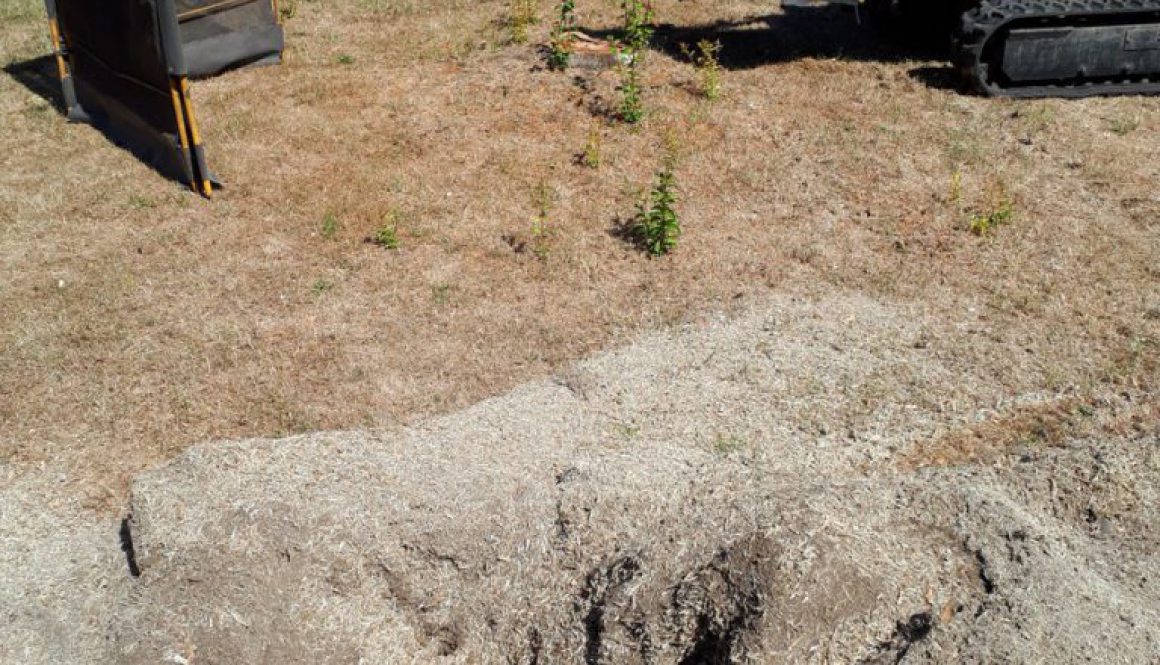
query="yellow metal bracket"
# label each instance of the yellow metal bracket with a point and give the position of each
(190, 135)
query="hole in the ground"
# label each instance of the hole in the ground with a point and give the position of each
(906, 633)
(726, 597)
(984, 576)
(597, 586)
(126, 537)
(594, 634)
(708, 646)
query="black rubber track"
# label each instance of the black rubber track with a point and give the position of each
(974, 44)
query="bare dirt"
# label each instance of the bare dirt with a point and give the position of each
(895, 399)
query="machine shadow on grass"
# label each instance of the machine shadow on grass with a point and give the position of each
(40, 77)
(822, 31)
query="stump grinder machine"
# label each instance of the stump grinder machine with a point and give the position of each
(1038, 48)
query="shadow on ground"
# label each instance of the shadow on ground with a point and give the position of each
(39, 75)
(823, 31)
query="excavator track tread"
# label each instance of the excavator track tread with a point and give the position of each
(992, 17)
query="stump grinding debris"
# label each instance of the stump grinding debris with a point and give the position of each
(720, 495)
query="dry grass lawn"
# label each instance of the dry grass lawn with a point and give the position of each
(137, 319)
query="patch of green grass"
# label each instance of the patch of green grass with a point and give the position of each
(727, 444)
(321, 286)
(590, 157)
(138, 202)
(330, 226)
(963, 146)
(522, 15)
(441, 293)
(627, 431)
(1123, 126)
(345, 59)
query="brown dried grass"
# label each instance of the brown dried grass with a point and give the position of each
(138, 320)
(1033, 428)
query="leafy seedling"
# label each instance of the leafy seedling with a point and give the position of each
(386, 236)
(706, 59)
(984, 224)
(590, 157)
(631, 108)
(560, 40)
(657, 227)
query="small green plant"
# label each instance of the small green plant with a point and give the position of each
(522, 16)
(541, 227)
(955, 191)
(638, 30)
(629, 52)
(656, 227)
(727, 444)
(985, 223)
(330, 226)
(560, 40)
(627, 430)
(706, 58)
(631, 108)
(591, 155)
(345, 59)
(671, 142)
(387, 235)
(321, 286)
